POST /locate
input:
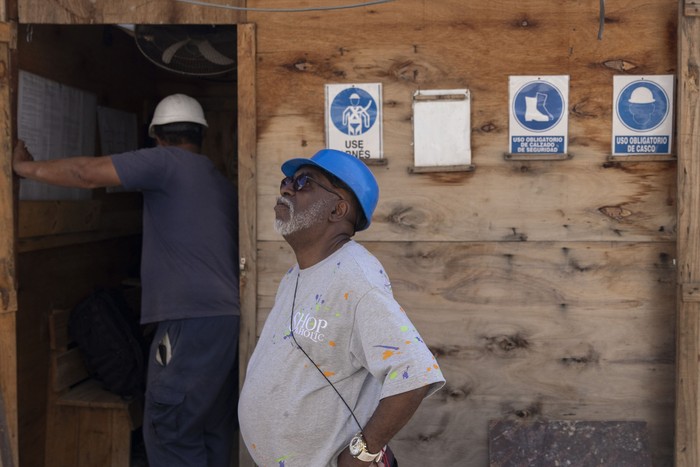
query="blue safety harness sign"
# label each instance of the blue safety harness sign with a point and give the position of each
(538, 114)
(642, 120)
(354, 119)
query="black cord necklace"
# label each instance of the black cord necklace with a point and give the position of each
(291, 331)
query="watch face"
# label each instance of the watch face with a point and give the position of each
(357, 445)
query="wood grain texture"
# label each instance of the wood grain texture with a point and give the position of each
(581, 199)
(687, 441)
(39, 218)
(546, 289)
(692, 8)
(131, 11)
(247, 204)
(568, 328)
(9, 433)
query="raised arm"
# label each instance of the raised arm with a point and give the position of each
(77, 172)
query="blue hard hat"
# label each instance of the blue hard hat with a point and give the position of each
(350, 170)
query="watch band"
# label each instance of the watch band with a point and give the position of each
(358, 449)
(365, 456)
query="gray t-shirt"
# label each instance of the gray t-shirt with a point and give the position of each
(189, 263)
(345, 317)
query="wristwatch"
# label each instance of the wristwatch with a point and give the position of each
(358, 449)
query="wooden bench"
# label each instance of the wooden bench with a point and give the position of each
(87, 425)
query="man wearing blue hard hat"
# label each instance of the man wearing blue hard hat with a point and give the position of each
(339, 368)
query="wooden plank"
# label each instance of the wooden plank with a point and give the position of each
(247, 202)
(687, 429)
(62, 446)
(552, 25)
(68, 369)
(121, 439)
(8, 31)
(300, 58)
(523, 201)
(493, 294)
(125, 12)
(8, 294)
(692, 8)
(38, 218)
(528, 279)
(95, 437)
(90, 394)
(47, 243)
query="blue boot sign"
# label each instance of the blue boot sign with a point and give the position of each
(539, 114)
(643, 114)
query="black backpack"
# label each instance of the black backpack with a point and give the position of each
(108, 335)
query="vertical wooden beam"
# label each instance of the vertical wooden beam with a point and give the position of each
(247, 201)
(687, 437)
(9, 454)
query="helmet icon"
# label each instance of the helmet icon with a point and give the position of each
(642, 95)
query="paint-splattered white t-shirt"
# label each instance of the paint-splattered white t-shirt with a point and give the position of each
(343, 314)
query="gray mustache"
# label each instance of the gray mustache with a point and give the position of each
(285, 201)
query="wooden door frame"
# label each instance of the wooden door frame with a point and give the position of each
(688, 241)
(247, 143)
(247, 203)
(9, 446)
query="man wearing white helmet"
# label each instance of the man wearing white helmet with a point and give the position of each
(339, 368)
(189, 274)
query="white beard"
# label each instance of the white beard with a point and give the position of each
(303, 220)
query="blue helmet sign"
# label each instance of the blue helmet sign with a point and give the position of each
(642, 118)
(642, 105)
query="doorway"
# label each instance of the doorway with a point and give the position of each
(65, 248)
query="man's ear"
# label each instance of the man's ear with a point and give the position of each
(341, 211)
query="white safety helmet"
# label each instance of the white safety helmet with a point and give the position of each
(177, 108)
(642, 95)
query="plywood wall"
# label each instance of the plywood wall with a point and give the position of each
(545, 288)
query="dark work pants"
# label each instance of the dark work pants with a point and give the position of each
(190, 410)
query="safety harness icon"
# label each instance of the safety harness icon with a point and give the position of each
(353, 111)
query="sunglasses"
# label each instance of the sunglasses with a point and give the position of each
(298, 184)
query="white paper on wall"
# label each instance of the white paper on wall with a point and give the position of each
(55, 121)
